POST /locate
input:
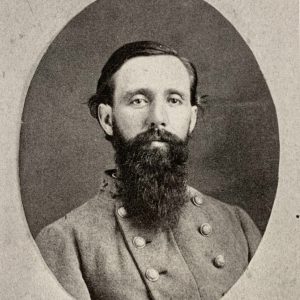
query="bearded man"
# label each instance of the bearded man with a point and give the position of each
(147, 234)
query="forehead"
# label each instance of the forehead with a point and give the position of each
(161, 71)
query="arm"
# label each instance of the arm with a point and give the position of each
(252, 233)
(58, 248)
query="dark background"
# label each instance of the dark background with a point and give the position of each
(234, 150)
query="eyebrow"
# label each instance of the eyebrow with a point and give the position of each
(175, 91)
(150, 93)
(142, 91)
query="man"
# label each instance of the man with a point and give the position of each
(147, 235)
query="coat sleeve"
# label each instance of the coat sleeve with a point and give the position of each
(251, 232)
(58, 248)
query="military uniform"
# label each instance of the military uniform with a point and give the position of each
(96, 252)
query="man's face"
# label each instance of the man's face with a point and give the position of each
(152, 91)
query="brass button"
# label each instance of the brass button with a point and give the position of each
(197, 200)
(151, 274)
(219, 261)
(205, 229)
(122, 212)
(139, 242)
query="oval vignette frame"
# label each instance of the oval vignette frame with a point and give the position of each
(283, 213)
(234, 148)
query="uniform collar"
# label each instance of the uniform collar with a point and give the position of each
(110, 178)
(108, 184)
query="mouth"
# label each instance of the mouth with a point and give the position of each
(158, 144)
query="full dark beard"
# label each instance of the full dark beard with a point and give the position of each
(152, 181)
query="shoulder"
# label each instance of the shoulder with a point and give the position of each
(214, 207)
(98, 212)
(85, 222)
(227, 218)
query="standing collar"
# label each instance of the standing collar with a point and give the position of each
(110, 177)
(108, 184)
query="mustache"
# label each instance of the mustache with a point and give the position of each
(156, 134)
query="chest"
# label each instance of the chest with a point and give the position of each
(201, 259)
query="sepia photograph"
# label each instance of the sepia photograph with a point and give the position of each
(149, 155)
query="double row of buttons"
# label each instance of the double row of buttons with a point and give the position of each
(206, 230)
(139, 242)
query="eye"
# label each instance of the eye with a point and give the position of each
(175, 99)
(138, 100)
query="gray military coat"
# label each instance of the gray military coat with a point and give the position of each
(95, 251)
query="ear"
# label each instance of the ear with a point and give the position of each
(193, 118)
(105, 118)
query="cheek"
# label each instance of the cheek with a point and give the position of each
(129, 124)
(180, 122)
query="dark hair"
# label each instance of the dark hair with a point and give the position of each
(105, 87)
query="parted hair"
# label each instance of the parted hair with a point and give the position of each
(105, 86)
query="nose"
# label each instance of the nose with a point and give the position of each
(158, 116)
